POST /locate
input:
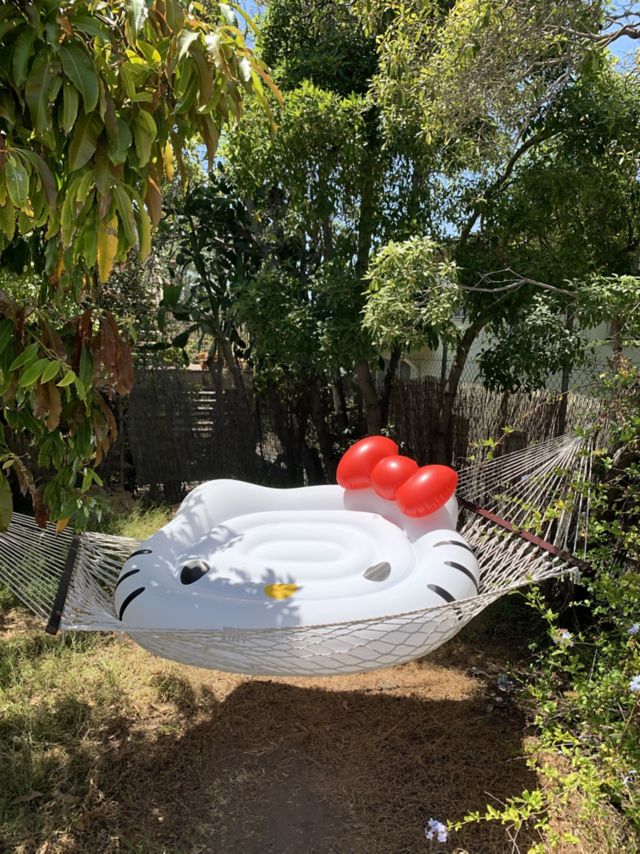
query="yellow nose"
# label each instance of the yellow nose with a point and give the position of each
(280, 591)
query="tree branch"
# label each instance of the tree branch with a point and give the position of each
(518, 282)
(502, 179)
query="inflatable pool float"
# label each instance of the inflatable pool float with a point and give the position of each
(242, 558)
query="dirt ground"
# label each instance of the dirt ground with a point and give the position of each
(200, 761)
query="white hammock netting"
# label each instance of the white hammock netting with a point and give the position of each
(69, 580)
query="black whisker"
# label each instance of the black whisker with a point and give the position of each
(442, 592)
(454, 543)
(464, 569)
(129, 600)
(126, 575)
(139, 552)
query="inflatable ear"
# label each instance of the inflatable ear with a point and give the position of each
(356, 465)
(391, 473)
(426, 490)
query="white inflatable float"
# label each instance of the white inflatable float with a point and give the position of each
(240, 557)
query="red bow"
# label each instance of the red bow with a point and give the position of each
(375, 462)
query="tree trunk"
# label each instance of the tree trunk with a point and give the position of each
(444, 436)
(322, 431)
(616, 336)
(232, 364)
(339, 402)
(387, 387)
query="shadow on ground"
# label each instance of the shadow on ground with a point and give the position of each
(279, 768)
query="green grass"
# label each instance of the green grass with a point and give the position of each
(7, 600)
(139, 523)
(63, 704)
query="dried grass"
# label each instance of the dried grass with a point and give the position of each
(106, 749)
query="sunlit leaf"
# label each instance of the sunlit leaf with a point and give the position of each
(107, 247)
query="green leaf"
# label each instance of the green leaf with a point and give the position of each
(70, 101)
(51, 371)
(80, 389)
(205, 76)
(8, 220)
(181, 339)
(144, 134)
(46, 177)
(17, 181)
(84, 185)
(90, 240)
(6, 331)
(174, 15)
(78, 67)
(36, 91)
(150, 53)
(22, 51)
(86, 367)
(84, 141)
(127, 76)
(67, 379)
(91, 27)
(6, 503)
(7, 107)
(171, 295)
(119, 147)
(125, 210)
(28, 354)
(33, 373)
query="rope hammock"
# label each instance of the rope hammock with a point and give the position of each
(524, 516)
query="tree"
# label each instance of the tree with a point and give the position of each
(493, 88)
(316, 196)
(395, 209)
(97, 103)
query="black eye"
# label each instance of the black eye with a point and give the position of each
(193, 570)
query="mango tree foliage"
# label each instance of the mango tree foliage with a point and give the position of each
(473, 72)
(97, 100)
(320, 41)
(97, 104)
(413, 295)
(292, 293)
(553, 344)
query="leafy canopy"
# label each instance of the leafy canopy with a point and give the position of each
(98, 101)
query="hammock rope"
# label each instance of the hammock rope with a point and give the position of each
(524, 518)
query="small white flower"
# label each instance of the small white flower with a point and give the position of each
(563, 637)
(634, 629)
(629, 777)
(436, 830)
(634, 685)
